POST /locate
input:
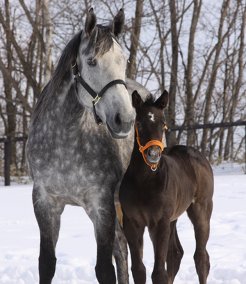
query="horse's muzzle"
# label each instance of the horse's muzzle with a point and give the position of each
(120, 128)
(121, 131)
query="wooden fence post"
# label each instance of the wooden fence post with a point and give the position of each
(7, 161)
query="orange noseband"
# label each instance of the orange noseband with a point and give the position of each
(153, 166)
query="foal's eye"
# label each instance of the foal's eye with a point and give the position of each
(91, 61)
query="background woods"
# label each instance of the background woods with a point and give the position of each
(193, 48)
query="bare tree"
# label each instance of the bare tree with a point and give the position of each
(206, 80)
(214, 70)
(9, 98)
(189, 112)
(228, 153)
(135, 34)
(174, 72)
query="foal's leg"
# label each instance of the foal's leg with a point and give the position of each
(200, 214)
(175, 253)
(134, 236)
(48, 214)
(103, 218)
(160, 237)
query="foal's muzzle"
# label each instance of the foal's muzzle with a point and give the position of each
(153, 154)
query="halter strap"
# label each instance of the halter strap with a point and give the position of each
(150, 143)
(96, 96)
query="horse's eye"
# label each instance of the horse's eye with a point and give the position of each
(91, 61)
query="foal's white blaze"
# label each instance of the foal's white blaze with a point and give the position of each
(151, 116)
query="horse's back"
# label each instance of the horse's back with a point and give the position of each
(196, 166)
(189, 154)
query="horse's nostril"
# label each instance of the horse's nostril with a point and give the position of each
(151, 152)
(118, 119)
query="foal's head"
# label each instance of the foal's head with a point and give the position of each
(150, 127)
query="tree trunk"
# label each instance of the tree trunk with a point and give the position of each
(136, 24)
(48, 40)
(189, 73)
(171, 137)
(236, 90)
(8, 90)
(211, 84)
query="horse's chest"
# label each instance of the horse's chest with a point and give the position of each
(144, 205)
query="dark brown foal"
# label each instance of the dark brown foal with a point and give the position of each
(156, 189)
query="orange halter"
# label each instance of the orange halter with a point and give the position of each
(153, 166)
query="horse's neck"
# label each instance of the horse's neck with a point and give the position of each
(58, 110)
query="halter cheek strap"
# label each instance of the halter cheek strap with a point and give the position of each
(153, 166)
(96, 96)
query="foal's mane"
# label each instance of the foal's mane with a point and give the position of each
(149, 100)
(100, 41)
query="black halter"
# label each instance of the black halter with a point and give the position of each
(96, 96)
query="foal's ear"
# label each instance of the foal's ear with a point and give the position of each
(90, 22)
(118, 23)
(162, 101)
(136, 99)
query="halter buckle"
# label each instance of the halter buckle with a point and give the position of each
(96, 100)
(153, 167)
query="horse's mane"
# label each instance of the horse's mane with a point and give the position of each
(101, 41)
(65, 62)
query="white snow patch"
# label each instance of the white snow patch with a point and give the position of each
(76, 249)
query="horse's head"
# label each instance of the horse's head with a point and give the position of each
(150, 127)
(101, 66)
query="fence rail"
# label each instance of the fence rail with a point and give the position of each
(209, 125)
(8, 141)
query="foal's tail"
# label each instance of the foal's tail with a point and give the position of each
(119, 213)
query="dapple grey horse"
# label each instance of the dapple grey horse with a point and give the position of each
(74, 160)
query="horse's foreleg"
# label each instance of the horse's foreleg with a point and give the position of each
(134, 236)
(48, 218)
(160, 237)
(199, 214)
(103, 219)
(175, 253)
(121, 255)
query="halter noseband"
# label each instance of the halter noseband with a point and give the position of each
(153, 166)
(96, 96)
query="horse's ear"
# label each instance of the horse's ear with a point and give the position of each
(136, 99)
(162, 101)
(90, 22)
(118, 23)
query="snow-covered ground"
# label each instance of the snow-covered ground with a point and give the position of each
(76, 249)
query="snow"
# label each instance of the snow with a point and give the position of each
(76, 249)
